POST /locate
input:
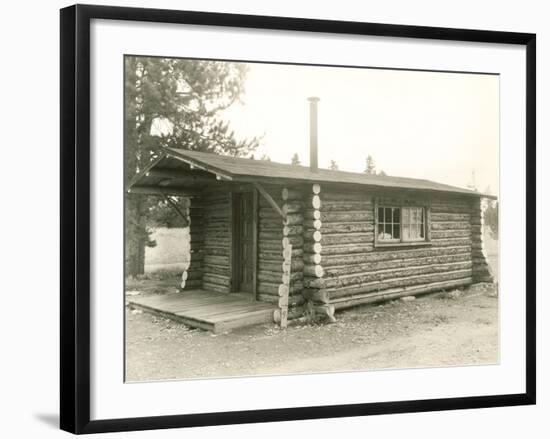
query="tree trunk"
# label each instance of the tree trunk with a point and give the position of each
(136, 235)
(134, 227)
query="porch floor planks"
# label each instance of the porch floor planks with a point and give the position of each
(208, 310)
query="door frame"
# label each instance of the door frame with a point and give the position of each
(235, 260)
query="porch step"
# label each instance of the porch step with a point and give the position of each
(216, 312)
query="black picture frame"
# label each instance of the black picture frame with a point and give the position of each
(75, 217)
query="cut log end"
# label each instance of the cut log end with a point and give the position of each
(316, 188)
(316, 202)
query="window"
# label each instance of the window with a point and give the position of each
(400, 224)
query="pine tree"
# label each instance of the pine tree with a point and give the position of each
(370, 167)
(333, 165)
(173, 103)
(295, 159)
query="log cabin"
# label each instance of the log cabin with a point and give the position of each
(311, 240)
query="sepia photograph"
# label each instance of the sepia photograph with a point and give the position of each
(291, 219)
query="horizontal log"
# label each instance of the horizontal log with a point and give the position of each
(274, 277)
(345, 206)
(270, 225)
(293, 219)
(295, 241)
(395, 293)
(477, 229)
(273, 267)
(349, 216)
(217, 269)
(393, 254)
(272, 288)
(313, 271)
(268, 246)
(456, 217)
(312, 258)
(362, 267)
(217, 279)
(312, 214)
(273, 236)
(293, 230)
(332, 195)
(347, 238)
(216, 260)
(344, 249)
(446, 242)
(338, 292)
(291, 194)
(216, 241)
(292, 207)
(313, 224)
(437, 234)
(216, 251)
(208, 286)
(293, 300)
(450, 208)
(345, 227)
(313, 235)
(264, 204)
(383, 275)
(311, 247)
(269, 213)
(277, 255)
(449, 225)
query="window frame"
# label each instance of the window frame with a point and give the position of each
(400, 242)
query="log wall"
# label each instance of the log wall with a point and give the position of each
(193, 271)
(216, 240)
(275, 236)
(339, 238)
(481, 271)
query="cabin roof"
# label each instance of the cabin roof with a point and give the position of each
(248, 170)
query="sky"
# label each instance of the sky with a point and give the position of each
(431, 125)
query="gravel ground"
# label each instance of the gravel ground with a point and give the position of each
(445, 329)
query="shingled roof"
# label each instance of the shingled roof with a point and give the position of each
(247, 170)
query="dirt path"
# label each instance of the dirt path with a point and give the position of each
(457, 328)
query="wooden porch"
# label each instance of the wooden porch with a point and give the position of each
(216, 312)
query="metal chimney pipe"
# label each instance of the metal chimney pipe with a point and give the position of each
(313, 162)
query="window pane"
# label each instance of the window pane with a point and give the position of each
(387, 231)
(396, 215)
(396, 231)
(380, 214)
(387, 214)
(406, 215)
(406, 232)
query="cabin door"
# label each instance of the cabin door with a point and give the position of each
(244, 241)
